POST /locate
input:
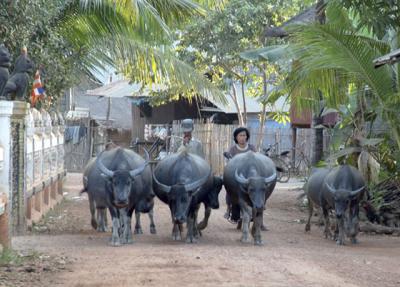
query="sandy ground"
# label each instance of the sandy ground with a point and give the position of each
(289, 256)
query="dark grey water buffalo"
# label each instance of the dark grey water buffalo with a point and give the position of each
(249, 179)
(210, 199)
(146, 205)
(339, 189)
(118, 179)
(178, 181)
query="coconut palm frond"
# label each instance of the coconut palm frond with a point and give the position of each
(331, 47)
(151, 16)
(149, 65)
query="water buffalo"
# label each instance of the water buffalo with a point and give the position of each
(118, 179)
(210, 200)
(178, 181)
(339, 189)
(249, 179)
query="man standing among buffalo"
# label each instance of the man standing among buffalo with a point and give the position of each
(188, 142)
(241, 137)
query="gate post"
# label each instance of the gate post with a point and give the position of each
(12, 168)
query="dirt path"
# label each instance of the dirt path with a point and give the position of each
(289, 257)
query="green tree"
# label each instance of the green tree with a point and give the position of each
(337, 64)
(74, 38)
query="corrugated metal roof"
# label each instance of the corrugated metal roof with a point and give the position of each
(252, 105)
(117, 89)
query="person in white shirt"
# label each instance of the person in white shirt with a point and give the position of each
(191, 144)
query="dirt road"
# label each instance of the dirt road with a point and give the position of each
(289, 257)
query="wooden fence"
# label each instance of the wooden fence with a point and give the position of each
(218, 138)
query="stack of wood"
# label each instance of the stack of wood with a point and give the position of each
(385, 200)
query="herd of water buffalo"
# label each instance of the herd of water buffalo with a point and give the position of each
(122, 181)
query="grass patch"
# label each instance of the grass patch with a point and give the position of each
(9, 256)
(12, 257)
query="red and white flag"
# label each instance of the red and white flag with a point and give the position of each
(37, 89)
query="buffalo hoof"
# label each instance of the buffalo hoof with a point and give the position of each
(307, 228)
(128, 241)
(239, 224)
(202, 225)
(176, 237)
(339, 242)
(264, 228)
(354, 240)
(153, 230)
(258, 242)
(138, 230)
(115, 243)
(101, 228)
(94, 224)
(245, 239)
(191, 240)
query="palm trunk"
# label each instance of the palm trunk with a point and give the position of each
(236, 102)
(244, 103)
(317, 119)
(264, 110)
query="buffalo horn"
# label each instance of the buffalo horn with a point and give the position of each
(141, 168)
(102, 168)
(163, 187)
(270, 178)
(240, 178)
(196, 184)
(330, 188)
(355, 192)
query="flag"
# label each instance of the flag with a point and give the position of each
(37, 89)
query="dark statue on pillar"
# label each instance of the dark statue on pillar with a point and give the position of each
(17, 85)
(5, 63)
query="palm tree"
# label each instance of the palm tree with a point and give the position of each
(135, 37)
(335, 61)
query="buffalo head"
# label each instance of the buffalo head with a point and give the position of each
(180, 197)
(119, 182)
(255, 187)
(343, 197)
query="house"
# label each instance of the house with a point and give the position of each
(109, 107)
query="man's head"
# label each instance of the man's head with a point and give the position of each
(187, 125)
(187, 128)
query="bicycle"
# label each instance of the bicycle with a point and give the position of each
(301, 165)
(283, 168)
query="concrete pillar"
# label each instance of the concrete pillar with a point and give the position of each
(12, 172)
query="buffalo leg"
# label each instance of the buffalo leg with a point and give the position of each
(101, 220)
(207, 212)
(190, 228)
(353, 222)
(176, 232)
(138, 226)
(196, 230)
(92, 207)
(246, 216)
(228, 201)
(115, 239)
(153, 229)
(327, 231)
(263, 226)
(310, 213)
(257, 223)
(126, 216)
(340, 225)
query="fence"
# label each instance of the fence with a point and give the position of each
(31, 165)
(218, 138)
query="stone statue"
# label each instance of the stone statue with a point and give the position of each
(17, 84)
(5, 63)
